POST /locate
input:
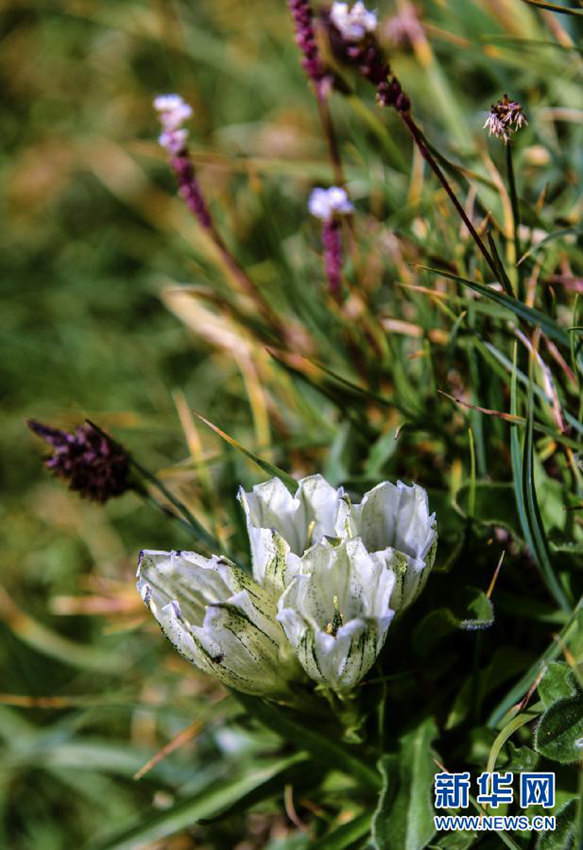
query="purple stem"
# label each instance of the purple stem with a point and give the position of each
(190, 190)
(332, 242)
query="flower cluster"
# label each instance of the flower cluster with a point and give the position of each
(353, 23)
(505, 118)
(172, 111)
(353, 41)
(329, 205)
(93, 464)
(328, 578)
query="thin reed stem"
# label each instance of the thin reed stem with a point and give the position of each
(431, 161)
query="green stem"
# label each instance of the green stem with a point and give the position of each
(190, 519)
(515, 217)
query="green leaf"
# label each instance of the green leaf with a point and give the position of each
(344, 835)
(563, 837)
(555, 684)
(521, 758)
(405, 821)
(206, 804)
(389, 769)
(559, 735)
(495, 505)
(478, 613)
(330, 754)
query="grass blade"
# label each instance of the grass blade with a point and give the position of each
(270, 468)
(531, 315)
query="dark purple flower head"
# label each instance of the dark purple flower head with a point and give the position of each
(93, 464)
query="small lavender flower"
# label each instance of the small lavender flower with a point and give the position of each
(172, 111)
(306, 40)
(505, 118)
(353, 23)
(94, 465)
(329, 205)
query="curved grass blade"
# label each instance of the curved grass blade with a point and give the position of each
(270, 468)
(541, 549)
(553, 7)
(531, 315)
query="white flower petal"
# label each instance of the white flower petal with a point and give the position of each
(219, 619)
(396, 517)
(336, 612)
(282, 527)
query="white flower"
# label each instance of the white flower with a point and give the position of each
(336, 612)
(326, 203)
(353, 23)
(282, 527)
(393, 520)
(218, 618)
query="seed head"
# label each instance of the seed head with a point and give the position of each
(93, 464)
(505, 118)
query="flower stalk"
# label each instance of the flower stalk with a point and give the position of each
(173, 112)
(330, 206)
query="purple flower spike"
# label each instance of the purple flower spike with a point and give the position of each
(91, 462)
(306, 39)
(330, 205)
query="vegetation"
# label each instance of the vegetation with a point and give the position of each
(439, 362)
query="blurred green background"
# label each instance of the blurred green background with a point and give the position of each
(92, 233)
